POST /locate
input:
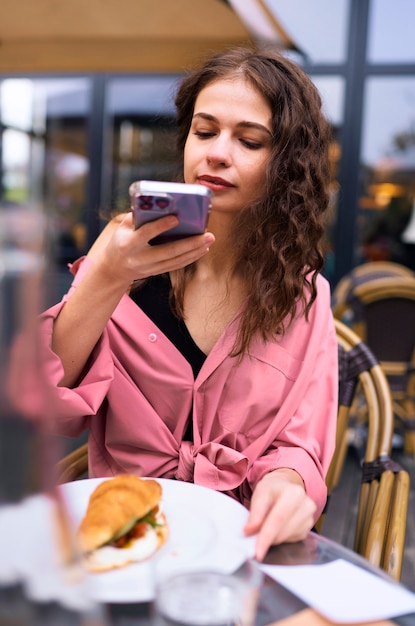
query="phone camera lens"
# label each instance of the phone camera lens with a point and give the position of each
(162, 203)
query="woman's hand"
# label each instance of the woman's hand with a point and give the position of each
(125, 253)
(280, 511)
(119, 255)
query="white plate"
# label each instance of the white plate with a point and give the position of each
(205, 533)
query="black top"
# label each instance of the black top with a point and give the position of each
(153, 299)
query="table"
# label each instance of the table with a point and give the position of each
(276, 605)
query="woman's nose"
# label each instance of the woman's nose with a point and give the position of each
(219, 152)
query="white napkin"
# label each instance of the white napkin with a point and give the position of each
(344, 592)
(29, 555)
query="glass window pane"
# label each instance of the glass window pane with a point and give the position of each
(16, 103)
(391, 31)
(145, 95)
(66, 105)
(140, 135)
(332, 90)
(44, 155)
(387, 171)
(15, 166)
(319, 27)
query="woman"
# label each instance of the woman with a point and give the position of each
(213, 359)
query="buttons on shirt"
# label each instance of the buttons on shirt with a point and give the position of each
(152, 337)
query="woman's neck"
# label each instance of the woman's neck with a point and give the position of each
(220, 259)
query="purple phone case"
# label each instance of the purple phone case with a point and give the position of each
(151, 200)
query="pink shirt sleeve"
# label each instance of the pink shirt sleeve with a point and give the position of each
(306, 444)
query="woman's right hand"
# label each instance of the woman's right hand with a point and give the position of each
(119, 256)
(125, 253)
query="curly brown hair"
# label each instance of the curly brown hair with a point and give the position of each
(278, 240)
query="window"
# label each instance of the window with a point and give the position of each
(391, 31)
(388, 171)
(318, 27)
(44, 161)
(140, 135)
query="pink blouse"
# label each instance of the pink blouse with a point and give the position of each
(276, 408)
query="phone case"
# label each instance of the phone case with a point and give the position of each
(151, 200)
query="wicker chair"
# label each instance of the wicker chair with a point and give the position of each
(382, 313)
(74, 465)
(384, 489)
(362, 274)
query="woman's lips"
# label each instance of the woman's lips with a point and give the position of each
(215, 182)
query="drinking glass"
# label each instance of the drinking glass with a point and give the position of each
(208, 598)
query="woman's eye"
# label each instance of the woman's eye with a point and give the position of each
(252, 145)
(203, 134)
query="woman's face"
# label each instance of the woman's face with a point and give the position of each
(229, 143)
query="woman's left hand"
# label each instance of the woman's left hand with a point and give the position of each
(280, 511)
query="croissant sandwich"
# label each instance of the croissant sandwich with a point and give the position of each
(123, 523)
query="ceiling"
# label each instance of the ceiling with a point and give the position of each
(113, 35)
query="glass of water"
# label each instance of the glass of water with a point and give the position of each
(208, 598)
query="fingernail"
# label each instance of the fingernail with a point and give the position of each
(208, 238)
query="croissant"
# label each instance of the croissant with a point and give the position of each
(123, 523)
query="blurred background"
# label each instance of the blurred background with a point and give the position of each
(86, 107)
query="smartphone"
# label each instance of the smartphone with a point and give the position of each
(151, 200)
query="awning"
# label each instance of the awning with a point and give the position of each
(123, 35)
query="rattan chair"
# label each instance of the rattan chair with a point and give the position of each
(383, 539)
(359, 376)
(74, 465)
(361, 274)
(382, 313)
(384, 489)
